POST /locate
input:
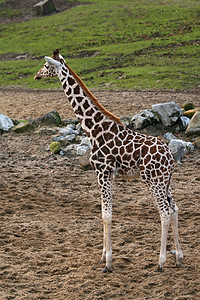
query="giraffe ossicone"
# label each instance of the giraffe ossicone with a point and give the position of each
(119, 151)
(53, 62)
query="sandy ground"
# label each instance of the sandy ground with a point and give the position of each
(50, 215)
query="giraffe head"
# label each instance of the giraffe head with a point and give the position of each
(52, 66)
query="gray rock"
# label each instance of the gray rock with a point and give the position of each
(143, 119)
(70, 150)
(168, 112)
(194, 125)
(47, 131)
(70, 138)
(67, 131)
(169, 136)
(59, 138)
(78, 139)
(126, 121)
(86, 142)
(5, 123)
(79, 128)
(179, 148)
(184, 122)
(82, 149)
(70, 122)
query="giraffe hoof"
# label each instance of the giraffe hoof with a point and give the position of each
(160, 268)
(102, 261)
(107, 270)
(179, 262)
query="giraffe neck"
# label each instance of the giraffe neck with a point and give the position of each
(86, 107)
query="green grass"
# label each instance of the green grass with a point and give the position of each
(110, 44)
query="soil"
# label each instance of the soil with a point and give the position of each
(24, 10)
(51, 228)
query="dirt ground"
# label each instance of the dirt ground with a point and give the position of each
(50, 214)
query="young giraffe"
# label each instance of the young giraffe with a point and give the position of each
(119, 151)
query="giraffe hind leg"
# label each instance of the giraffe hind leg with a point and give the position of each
(162, 203)
(165, 221)
(174, 223)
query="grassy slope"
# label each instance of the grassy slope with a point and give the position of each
(110, 44)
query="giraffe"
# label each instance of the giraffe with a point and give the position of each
(119, 152)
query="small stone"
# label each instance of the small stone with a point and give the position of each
(82, 150)
(62, 152)
(70, 122)
(169, 136)
(79, 128)
(78, 138)
(54, 147)
(66, 131)
(71, 150)
(59, 138)
(188, 106)
(47, 131)
(86, 141)
(70, 138)
(126, 121)
(84, 160)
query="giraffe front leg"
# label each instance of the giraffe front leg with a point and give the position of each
(107, 249)
(106, 189)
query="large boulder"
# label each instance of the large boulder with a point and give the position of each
(183, 123)
(179, 148)
(5, 123)
(168, 112)
(194, 125)
(50, 119)
(143, 119)
(188, 106)
(44, 7)
(25, 126)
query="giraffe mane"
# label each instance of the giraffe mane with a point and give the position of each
(93, 98)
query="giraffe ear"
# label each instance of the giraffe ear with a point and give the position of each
(52, 62)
